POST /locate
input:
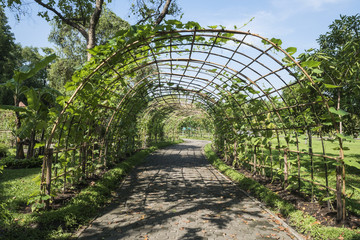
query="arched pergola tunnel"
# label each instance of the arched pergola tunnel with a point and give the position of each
(260, 100)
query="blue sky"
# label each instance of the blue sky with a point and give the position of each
(298, 23)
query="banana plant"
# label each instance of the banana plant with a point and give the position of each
(17, 86)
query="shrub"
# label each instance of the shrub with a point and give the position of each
(3, 151)
(12, 162)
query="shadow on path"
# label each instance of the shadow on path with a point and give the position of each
(176, 194)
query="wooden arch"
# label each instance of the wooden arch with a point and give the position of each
(241, 80)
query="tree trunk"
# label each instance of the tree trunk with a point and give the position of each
(31, 147)
(19, 143)
(338, 107)
(91, 40)
(163, 12)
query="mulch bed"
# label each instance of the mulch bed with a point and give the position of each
(320, 211)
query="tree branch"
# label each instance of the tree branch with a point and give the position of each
(65, 20)
(163, 12)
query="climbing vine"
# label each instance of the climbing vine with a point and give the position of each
(264, 108)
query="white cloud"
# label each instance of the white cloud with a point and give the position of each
(319, 4)
(304, 5)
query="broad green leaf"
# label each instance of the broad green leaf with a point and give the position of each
(352, 163)
(317, 71)
(28, 72)
(291, 50)
(338, 112)
(340, 135)
(310, 64)
(32, 99)
(277, 41)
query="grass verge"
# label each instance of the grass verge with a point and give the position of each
(304, 223)
(60, 223)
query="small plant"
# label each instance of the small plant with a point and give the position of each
(37, 201)
(2, 168)
(5, 217)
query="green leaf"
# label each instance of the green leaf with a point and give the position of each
(32, 99)
(277, 41)
(338, 112)
(27, 72)
(328, 198)
(352, 163)
(38, 145)
(317, 71)
(265, 42)
(356, 188)
(340, 135)
(331, 86)
(291, 50)
(310, 64)
(213, 27)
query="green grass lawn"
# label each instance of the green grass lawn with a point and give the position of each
(303, 222)
(16, 185)
(352, 152)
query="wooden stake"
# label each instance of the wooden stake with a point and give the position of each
(271, 162)
(339, 202)
(255, 160)
(311, 164)
(49, 159)
(286, 173)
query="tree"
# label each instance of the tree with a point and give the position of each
(71, 46)
(8, 58)
(340, 62)
(84, 15)
(19, 89)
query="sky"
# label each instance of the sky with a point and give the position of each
(298, 23)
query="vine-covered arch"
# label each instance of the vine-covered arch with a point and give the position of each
(246, 84)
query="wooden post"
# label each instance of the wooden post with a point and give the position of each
(311, 164)
(263, 162)
(271, 162)
(339, 202)
(343, 190)
(255, 160)
(326, 172)
(105, 154)
(49, 158)
(298, 161)
(340, 186)
(235, 152)
(286, 173)
(83, 160)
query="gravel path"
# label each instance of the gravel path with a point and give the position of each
(177, 194)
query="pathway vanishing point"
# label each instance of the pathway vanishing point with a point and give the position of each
(177, 194)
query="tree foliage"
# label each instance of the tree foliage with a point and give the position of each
(340, 63)
(71, 46)
(8, 56)
(154, 11)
